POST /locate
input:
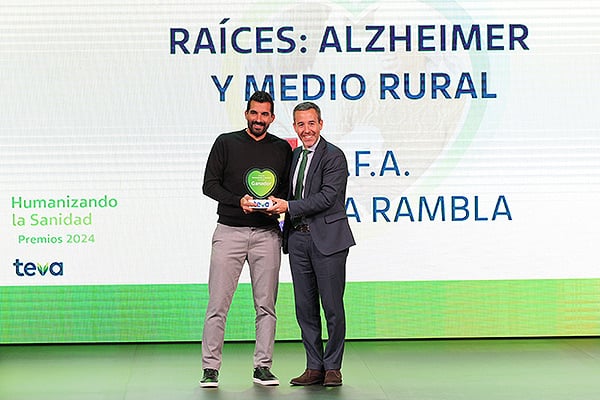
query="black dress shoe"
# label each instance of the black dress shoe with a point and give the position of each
(333, 377)
(309, 377)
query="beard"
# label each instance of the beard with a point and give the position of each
(257, 129)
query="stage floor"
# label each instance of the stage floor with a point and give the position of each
(528, 369)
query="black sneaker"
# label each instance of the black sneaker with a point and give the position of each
(263, 376)
(210, 378)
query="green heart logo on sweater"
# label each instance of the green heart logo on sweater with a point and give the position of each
(261, 182)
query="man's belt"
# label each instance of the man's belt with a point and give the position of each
(302, 228)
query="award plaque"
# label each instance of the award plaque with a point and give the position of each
(262, 204)
(261, 183)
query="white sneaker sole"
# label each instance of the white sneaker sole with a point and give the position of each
(209, 384)
(266, 383)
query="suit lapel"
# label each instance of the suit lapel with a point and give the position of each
(314, 162)
(295, 157)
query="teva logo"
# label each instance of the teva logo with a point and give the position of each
(32, 269)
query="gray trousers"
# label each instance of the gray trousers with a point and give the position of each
(319, 281)
(231, 248)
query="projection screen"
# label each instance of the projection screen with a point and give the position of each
(470, 129)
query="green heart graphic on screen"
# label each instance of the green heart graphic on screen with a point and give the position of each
(261, 182)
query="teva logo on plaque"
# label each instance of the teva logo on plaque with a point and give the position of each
(31, 268)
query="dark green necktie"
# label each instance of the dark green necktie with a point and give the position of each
(300, 178)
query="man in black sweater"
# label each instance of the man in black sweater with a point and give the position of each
(242, 167)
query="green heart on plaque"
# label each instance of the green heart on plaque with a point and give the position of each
(261, 182)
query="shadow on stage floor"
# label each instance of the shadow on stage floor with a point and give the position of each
(528, 369)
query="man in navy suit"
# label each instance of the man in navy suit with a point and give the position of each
(317, 237)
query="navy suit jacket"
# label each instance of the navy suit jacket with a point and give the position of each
(324, 204)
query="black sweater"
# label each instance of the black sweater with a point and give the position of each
(231, 158)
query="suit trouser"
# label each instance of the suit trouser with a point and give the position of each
(231, 248)
(317, 277)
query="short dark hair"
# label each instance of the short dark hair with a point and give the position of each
(308, 105)
(261, 97)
